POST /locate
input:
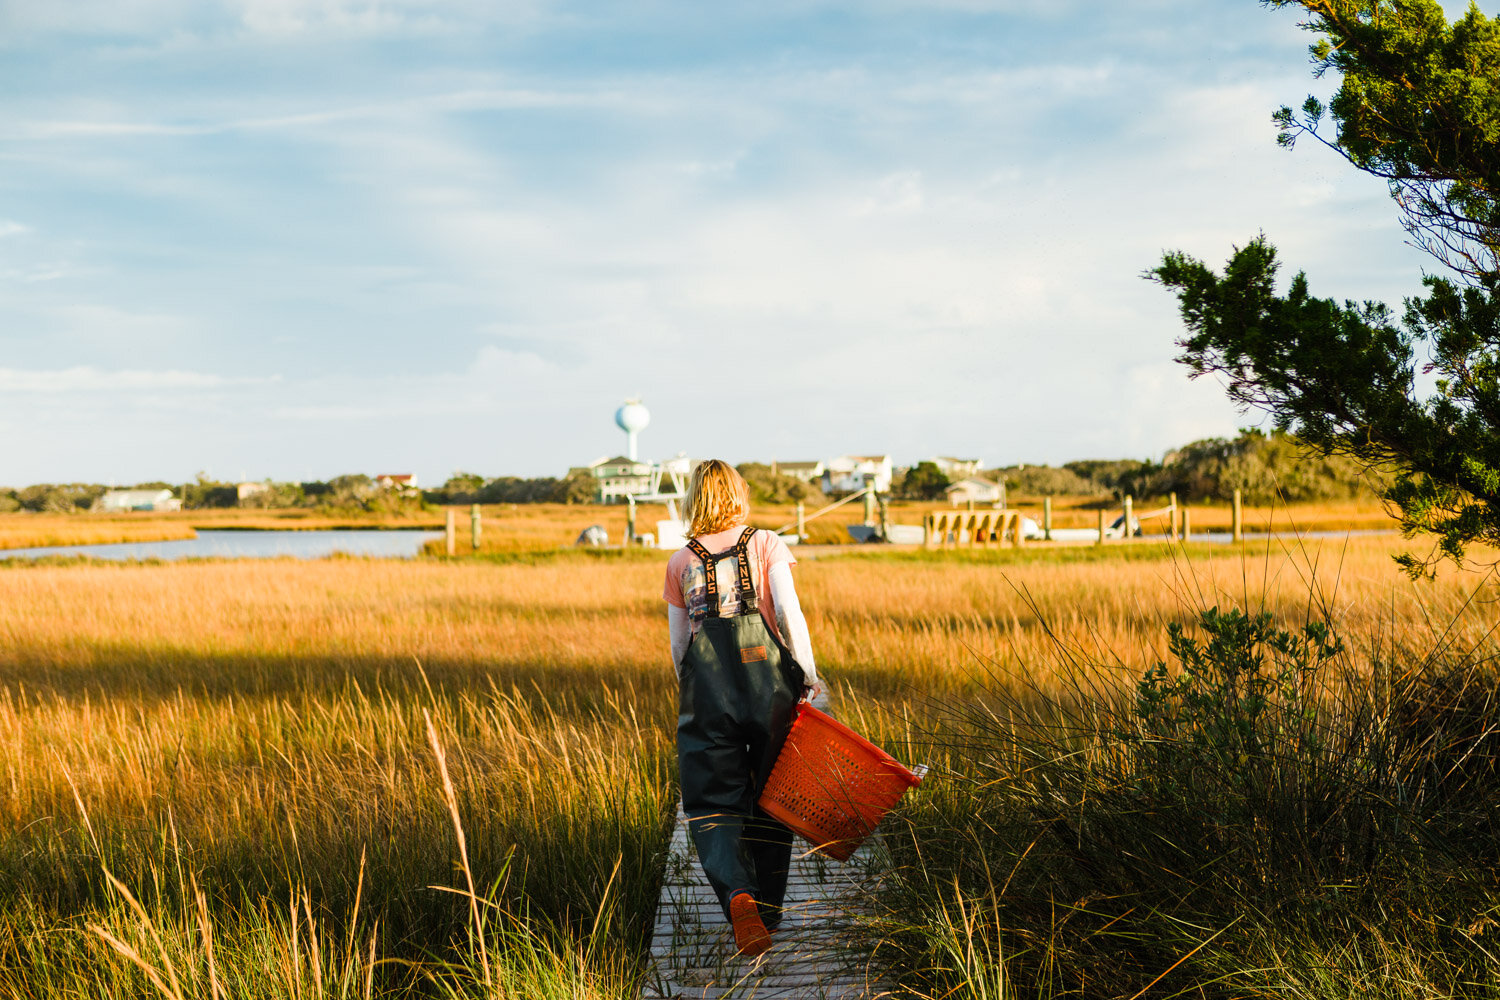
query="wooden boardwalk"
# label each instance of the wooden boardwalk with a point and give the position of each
(813, 957)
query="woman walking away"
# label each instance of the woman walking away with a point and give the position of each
(733, 614)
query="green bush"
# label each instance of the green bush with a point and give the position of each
(768, 487)
(1262, 815)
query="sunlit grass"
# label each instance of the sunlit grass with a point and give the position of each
(254, 732)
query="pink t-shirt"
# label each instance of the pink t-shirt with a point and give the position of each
(686, 583)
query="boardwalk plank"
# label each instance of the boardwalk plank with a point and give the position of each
(693, 947)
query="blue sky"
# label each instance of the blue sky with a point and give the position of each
(297, 238)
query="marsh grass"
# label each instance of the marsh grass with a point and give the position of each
(1286, 801)
(533, 529)
(20, 530)
(256, 733)
(236, 737)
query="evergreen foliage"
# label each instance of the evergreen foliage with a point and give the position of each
(768, 487)
(923, 481)
(1419, 107)
(1047, 480)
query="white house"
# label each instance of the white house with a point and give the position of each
(396, 480)
(975, 489)
(118, 500)
(619, 477)
(958, 468)
(805, 471)
(244, 491)
(846, 473)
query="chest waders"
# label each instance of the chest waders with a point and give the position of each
(737, 695)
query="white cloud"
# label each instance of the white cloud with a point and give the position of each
(9, 227)
(99, 381)
(897, 193)
(86, 322)
(295, 17)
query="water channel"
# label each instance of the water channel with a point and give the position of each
(212, 544)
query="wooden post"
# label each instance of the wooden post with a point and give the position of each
(1125, 531)
(1101, 527)
(1187, 526)
(927, 521)
(969, 505)
(629, 521)
(474, 525)
(451, 533)
(801, 521)
(1047, 518)
(1237, 525)
(1172, 516)
(1002, 494)
(1019, 534)
(869, 500)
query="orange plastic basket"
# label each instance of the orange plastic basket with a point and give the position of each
(830, 785)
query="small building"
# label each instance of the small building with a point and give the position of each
(958, 468)
(846, 473)
(114, 501)
(619, 477)
(976, 490)
(244, 491)
(396, 481)
(805, 471)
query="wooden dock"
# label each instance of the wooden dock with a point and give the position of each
(815, 955)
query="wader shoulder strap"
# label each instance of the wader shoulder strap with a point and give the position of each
(745, 584)
(748, 602)
(710, 576)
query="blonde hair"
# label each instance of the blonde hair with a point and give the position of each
(717, 498)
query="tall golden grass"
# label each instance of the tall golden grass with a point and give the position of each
(24, 531)
(29, 530)
(510, 528)
(255, 731)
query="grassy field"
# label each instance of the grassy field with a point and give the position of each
(28, 530)
(541, 527)
(245, 748)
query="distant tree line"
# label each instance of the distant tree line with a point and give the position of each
(1263, 467)
(768, 486)
(52, 498)
(354, 493)
(467, 487)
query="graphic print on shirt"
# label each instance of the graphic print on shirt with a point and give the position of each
(695, 589)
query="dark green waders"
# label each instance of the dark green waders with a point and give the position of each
(737, 696)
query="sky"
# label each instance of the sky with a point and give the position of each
(293, 239)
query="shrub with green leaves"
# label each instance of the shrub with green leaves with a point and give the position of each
(1264, 812)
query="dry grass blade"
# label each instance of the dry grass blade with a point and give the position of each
(150, 926)
(205, 930)
(450, 796)
(134, 957)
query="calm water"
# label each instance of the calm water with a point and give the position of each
(250, 545)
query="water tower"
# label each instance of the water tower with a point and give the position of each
(632, 418)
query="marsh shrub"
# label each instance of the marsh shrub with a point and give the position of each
(1263, 779)
(770, 487)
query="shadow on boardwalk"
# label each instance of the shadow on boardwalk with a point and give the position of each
(816, 955)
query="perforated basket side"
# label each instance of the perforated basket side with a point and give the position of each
(830, 785)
